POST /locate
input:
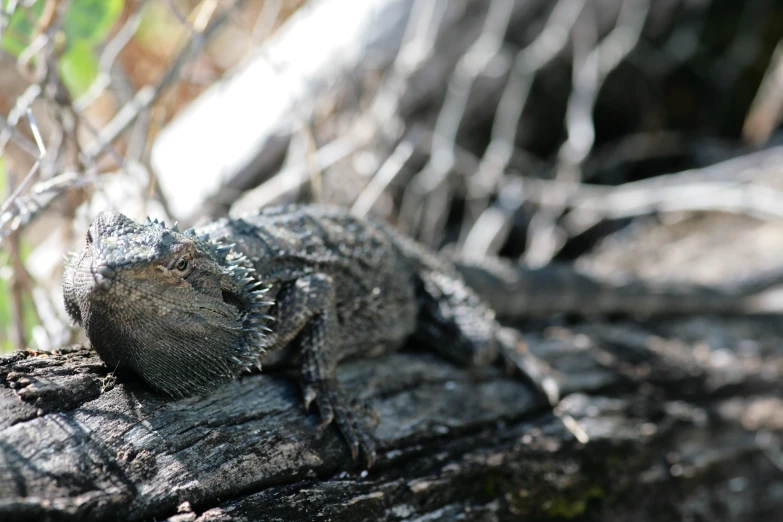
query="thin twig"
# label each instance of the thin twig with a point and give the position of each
(385, 176)
(147, 95)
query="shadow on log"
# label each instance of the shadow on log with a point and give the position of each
(683, 418)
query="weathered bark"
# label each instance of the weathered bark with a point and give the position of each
(682, 416)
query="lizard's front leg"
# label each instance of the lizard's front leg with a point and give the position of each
(307, 317)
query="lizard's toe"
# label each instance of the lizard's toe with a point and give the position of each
(323, 399)
(356, 436)
(335, 406)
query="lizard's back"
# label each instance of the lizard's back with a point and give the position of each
(375, 282)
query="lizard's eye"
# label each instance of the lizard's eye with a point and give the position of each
(182, 264)
(89, 237)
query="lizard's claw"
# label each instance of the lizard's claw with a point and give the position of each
(309, 396)
(335, 406)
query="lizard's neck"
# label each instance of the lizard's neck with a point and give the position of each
(249, 295)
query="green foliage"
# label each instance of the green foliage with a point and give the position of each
(6, 283)
(85, 26)
(159, 30)
(6, 344)
(21, 27)
(5, 312)
(87, 22)
(78, 68)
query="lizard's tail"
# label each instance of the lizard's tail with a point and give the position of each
(515, 291)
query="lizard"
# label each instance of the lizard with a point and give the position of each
(306, 286)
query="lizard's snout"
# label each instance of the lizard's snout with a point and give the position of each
(105, 255)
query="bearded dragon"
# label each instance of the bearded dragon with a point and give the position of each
(309, 286)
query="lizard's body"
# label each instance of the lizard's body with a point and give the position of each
(309, 286)
(371, 282)
(188, 311)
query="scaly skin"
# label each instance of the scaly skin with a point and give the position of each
(305, 285)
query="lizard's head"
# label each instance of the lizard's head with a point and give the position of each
(177, 309)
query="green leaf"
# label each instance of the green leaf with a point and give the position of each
(159, 30)
(89, 21)
(19, 33)
(78, 68)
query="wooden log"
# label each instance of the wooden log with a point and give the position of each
(682, 417)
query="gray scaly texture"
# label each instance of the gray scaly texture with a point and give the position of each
(302, 285)
(310, 286)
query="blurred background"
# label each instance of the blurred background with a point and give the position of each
(630, 137)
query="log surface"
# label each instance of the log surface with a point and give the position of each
(683, 418)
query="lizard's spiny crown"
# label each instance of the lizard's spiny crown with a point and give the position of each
(119, 241)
